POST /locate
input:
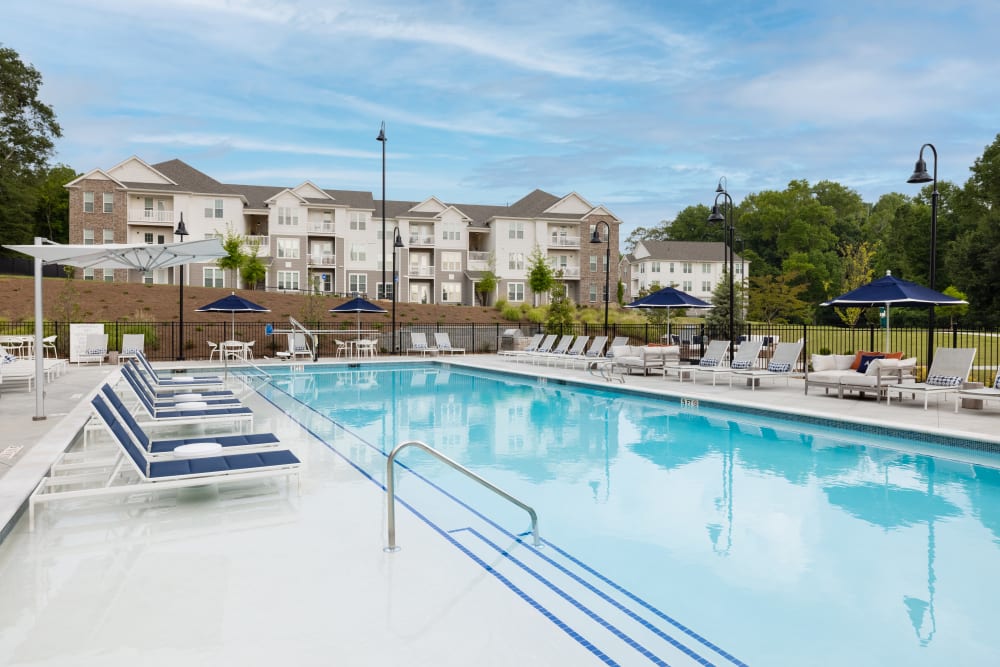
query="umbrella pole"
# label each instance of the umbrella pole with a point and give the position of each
(888, 347)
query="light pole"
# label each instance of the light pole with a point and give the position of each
(920, 175)
(397, 242)
(596, 238)
(381, 139)
(717, 216)
(181, 231)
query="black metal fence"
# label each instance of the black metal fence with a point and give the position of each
(162, 339)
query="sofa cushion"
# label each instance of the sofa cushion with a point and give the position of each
(823, 362)
(866, 360)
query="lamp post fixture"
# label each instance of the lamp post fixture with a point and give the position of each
(920, 175)
(717, 216)
(181, 231)
(381, 139)
(596, 238)
(397, 242)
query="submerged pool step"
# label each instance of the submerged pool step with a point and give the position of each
(621, 628)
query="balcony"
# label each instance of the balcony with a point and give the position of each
(421, 272)
(147, 216)
(322, 259)
(567, 271)
(262, 243)
(564, 242)
(322, 228)
(421, 239)
(479, 261)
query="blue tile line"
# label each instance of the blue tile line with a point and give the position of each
(586, 610)
(504, 531)
(486, 566)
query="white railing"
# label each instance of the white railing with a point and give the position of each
(565, 241)
(263, 244)
(323, 258)
(421, 239)
(421, 271)
(150, 216)
(568, 271)
(323, 227)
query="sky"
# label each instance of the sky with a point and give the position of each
(638, 105)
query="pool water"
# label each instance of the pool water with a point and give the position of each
(777, 541)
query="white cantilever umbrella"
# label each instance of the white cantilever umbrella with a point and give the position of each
(105, 256)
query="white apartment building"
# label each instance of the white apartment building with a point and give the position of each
(331, 241)
(694, 267)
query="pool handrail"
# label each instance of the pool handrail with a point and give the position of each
(390, 489)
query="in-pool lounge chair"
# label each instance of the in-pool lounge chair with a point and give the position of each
(139, 385)
(984, 395)
(193, 412)
(103, 403)
(782, 365)
(443, 342)
(194, 464)
(745, 359)
(950, 368)
(714, 356)
(175, 380)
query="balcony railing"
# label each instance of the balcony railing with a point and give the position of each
(150, 217)
(421, 239)
(479, 261)
(263, 244)
(322, 259)
(567, 271)
(565, 241)
(322, 228)
(421, 271)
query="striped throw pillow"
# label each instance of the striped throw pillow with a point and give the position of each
(943, 380)
(708, 362)
(775, 367)
(742, 364)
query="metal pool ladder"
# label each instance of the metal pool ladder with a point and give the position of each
(390, 485)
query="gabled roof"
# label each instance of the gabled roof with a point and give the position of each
(686, 251)
(93, 175)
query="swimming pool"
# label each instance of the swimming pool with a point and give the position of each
(729, 537)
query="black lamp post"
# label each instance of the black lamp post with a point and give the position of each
(920, 175)
(717, 216)
(397, 242)
(381, 139)
(181, 231)
(596, 238)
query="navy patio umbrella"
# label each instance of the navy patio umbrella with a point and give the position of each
(892, 291)
(669, 297)
(358, 305)
(233, 303)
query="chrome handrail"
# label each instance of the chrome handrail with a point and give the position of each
(390, 489)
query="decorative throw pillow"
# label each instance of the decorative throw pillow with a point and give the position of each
(775, 367)
(943, 380)
(742, 364)
(7, 358)
(996, 382)
(857, 358)
(866, 360)
(823, 362)
(96, 350)
(708, 362)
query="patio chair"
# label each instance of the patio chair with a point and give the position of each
(132, 344)
(714, 356)
(596, 349)
(619, 341)
(983, 395)
(418, 343)
(574, 353)
(443, 342)
(366, 347)
(782, 364)
(950, 368)
(559, 349)
(175, 381)
(744, 359)
(167, 446)
(531, 346)
(180, 391)
(140, 385)
(193, 412)
(49, 345)
(95, 348)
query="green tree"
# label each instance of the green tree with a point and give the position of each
(52, 204)
(487, 283)
(235, 256)
(692, 224)
(561, 312)
(541, 277)
(857, 271)
(953, 312)
(777, 298)
(28, 129)
(253, 270)
(718, 316)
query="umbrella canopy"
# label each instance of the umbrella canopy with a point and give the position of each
(892, 291)
(669, 297)
(233, 303)
(358, 305)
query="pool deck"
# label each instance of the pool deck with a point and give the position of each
(210, 576)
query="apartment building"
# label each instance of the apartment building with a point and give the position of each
(340, 241)
(694, 267)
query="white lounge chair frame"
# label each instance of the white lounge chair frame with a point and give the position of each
(784, 354)
(747, 355)
(443, 342)
(949, 361)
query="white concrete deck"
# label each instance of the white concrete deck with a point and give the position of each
(273, 575)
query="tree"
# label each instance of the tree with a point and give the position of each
(777, 298)
(541, 277)
(235, 257)
(718, 316)
(953, 312)
(487, 282)
(52, 204)
(857, 271)
(253, 270)
(28, 129)
(561, 312)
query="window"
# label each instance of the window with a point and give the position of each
(328, 221)
(88, 203)
(593, 262)
(288, 280)
(706, 285)
(88, 237)
(287, 216)
(515, 261)
(359, 220)
(323, 282)
(671, 268)
(451, 292)
(109, 202)
(213, 208)
(214, 277)
(593, 294)
(88, 274)
(451, 261)
(515, 291)
(359, 253)
(706, 268)
(686, 267)
(516, 230)
(357, 283)
(451, 232)
(147, 238)
(107, 236)
(686, 286)
(109, 275)
(288, 248)
(642, 267)
(384, 291)
(655, 267)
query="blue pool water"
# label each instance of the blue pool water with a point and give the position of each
(778, 542)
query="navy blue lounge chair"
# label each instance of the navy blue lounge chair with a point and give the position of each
(139, 384)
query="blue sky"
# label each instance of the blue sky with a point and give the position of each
(637, 105)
